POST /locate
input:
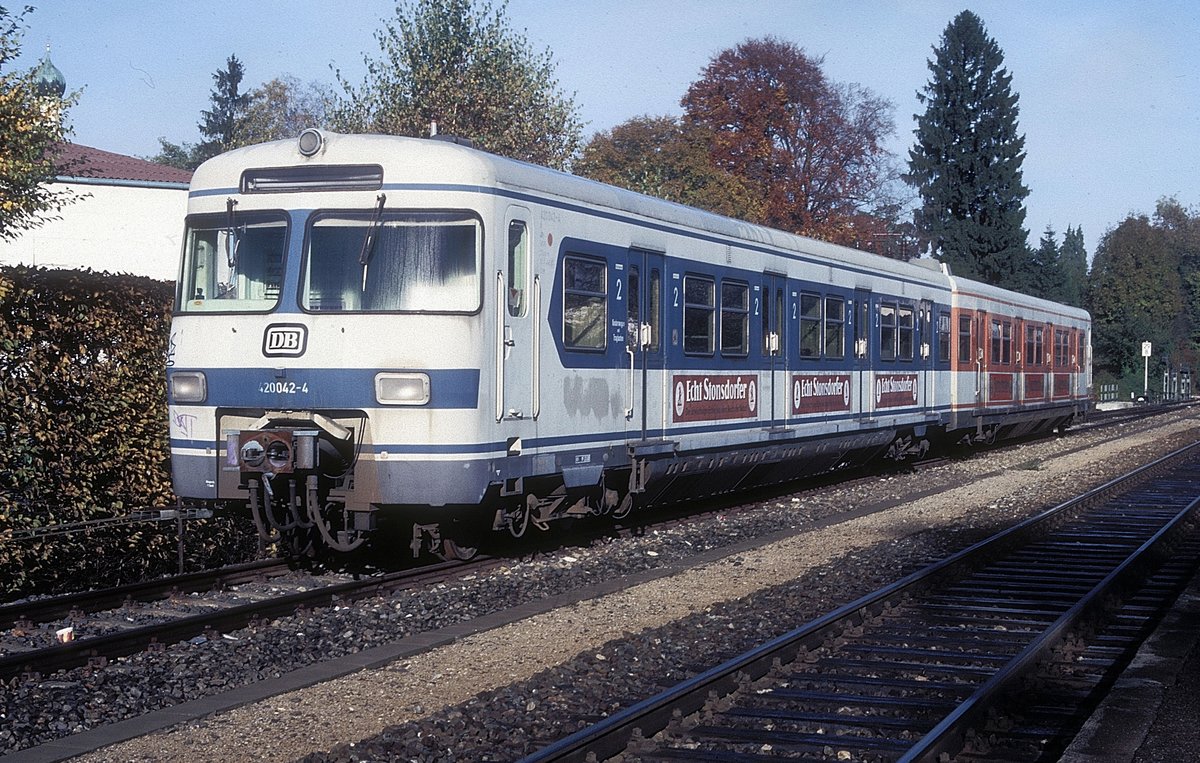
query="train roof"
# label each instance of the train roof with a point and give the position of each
(435, 162)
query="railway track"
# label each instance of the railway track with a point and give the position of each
(991, 654)
(50, 608)
(100, 632)
(97, 636)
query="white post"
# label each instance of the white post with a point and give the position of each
(1146, 370)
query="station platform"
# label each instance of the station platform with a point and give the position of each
(1152, 713)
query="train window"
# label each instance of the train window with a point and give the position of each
(767, 323)
(1061, 348)
(862, 327)
(778, 321)
(943, 337)
(585, 303)
(904, 332)
(887, 331)
(810, 325)
(634, 300)
(735, 319)
(393, 261)
(699, 310)
(1001, 342)
(1034, 353)
(964, 339)
(835, 327)
(232, 264)
(518, 267)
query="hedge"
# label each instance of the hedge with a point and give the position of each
(83, 430)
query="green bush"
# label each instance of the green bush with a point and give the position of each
(83, 429)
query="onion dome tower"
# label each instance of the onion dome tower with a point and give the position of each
(48, 80)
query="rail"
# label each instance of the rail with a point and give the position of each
(637, 724)
(101, 648)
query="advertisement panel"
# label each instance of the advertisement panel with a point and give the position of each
(814, 393)
(895, 390)
(714, 397)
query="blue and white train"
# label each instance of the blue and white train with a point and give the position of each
(372, 329)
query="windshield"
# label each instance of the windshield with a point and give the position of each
(416, 262)
(232, 263)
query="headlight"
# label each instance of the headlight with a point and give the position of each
(402, 389)
(188, 387)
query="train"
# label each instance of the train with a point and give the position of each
(378, 331)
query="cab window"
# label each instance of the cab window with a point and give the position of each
(393, 261)
(232, 263)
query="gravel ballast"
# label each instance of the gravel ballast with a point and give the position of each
(502, 693)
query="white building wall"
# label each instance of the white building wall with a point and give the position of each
(123, 228)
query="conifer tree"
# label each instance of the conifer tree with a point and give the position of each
(1045, 274)
(220, 123)
(1073, 265)
(966, 162)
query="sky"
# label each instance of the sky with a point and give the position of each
(1109, 91)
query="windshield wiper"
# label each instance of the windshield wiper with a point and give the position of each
(368, 245)
(231, 239)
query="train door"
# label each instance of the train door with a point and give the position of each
(862, 351)
(925, 352)
(645, 410)
(518, 307)
(980, 351)
(1020, 362)
(1085, 370)
(771, 304)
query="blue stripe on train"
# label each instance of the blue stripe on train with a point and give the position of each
(328, 388)
(584, 439)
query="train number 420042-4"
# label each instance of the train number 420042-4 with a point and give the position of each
(283, 388)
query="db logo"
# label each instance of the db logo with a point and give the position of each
(285, 340)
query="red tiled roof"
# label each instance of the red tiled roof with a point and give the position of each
(79, 161)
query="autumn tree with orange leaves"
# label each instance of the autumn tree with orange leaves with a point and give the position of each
(811, 149)
(660, 157)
